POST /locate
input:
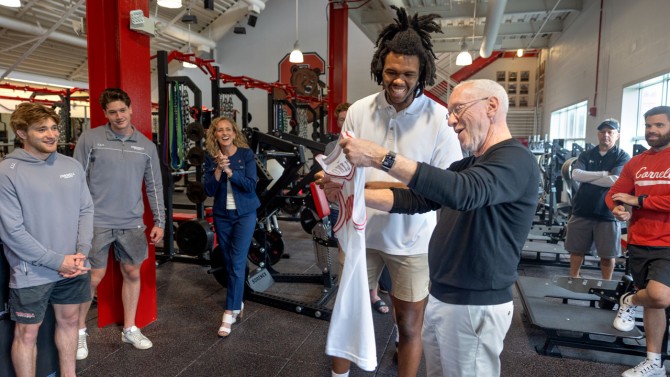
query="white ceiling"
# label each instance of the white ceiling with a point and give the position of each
(46, 30)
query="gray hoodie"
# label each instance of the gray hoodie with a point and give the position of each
(46, 212)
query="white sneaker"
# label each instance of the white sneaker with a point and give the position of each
(625, 316)
(82, 347)
(647, 368)
(134, 336)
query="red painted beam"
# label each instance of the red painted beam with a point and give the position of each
(434, 98)
(476, 66)
(480, 63)
(245, 81)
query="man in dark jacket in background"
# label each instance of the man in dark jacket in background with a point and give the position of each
(592, 222)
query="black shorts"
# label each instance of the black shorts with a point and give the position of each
(28, 305)
(649, 263)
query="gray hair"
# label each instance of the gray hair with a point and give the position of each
(489, 88)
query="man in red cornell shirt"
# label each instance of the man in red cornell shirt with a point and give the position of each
(644, 184)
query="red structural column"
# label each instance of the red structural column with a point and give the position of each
(119, 57)
(338, 34)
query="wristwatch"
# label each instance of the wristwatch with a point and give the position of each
(388, 161)
(640, 200)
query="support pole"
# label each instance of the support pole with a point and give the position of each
(338, 35)
(119, 57)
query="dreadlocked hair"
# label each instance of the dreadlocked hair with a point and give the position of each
(408, 36)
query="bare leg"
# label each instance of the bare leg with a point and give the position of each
(409, 318)
(96, 276)
(655, 298)
(65, 335)
(576, 261)
(340, 365)
(654, 326)
(24, 349)
(130, 293)
(607, 268)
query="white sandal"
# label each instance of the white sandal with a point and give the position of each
(224, 331)
(239, 313)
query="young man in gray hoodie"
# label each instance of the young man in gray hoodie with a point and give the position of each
(117, 160)
(46, 218)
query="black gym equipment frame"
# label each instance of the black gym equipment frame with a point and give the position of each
(168, 180)
(217, 91)
(547, 305)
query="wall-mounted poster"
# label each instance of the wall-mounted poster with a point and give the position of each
(512, 75)
(512, 101)
(523, 88)
(511, 88)
(523, 101)
(525, 75)
(500, 76)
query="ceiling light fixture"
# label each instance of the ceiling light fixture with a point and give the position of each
(464, 57)
(11, 3)
(519, 53)
(174, 4)
(296, 54)
(188, 64)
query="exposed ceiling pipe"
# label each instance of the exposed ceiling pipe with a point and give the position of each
(202, 43)
(542, 26)
(593, 110)
(24, 27)
(43, 37)
(198, 40)
(494, 15)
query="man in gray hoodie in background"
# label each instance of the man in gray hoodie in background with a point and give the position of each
(46, 225)
(117, 160)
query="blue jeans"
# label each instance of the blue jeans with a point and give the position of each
(234, 233)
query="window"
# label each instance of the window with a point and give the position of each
(637, 99)
(569, 123)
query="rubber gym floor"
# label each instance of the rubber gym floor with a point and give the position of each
(274, 342)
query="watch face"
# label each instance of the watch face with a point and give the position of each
(388, 161)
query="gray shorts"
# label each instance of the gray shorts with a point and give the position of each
(649, 263)
(583, 233)
(28, 305)
(130, 246)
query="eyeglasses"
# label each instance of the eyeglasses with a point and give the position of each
(460, 109)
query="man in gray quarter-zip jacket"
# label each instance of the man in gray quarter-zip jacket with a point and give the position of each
(46, 225)
(117, 159)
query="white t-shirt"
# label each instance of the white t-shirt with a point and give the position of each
(419, 132)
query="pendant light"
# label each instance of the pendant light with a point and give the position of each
(296, 54)
(188, 64)
(11, 3)
(174, 4)
(464, 57)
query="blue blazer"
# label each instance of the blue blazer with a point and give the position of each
(243, 182)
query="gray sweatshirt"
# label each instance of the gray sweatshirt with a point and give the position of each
(46, 212)
(115, 170)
